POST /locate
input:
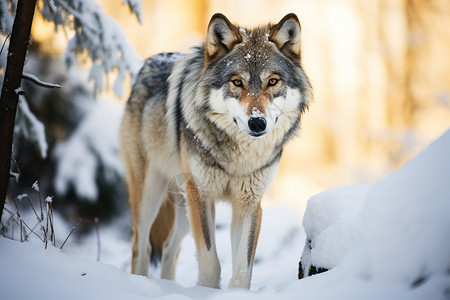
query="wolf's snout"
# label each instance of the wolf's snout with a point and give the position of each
(257, 125)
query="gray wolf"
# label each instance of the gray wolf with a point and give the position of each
(219, 116)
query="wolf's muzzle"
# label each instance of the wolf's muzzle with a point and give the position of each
(257, 125)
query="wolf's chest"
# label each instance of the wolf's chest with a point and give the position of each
(246, 176)
(233, 157)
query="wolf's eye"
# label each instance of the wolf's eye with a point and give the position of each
(237, 82)
(273, 81)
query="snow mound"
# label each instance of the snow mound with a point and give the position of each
(385, 241)
(48, 274)
(332, 223)
(407, 218)
(395, 231)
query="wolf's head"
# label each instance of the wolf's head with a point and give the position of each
(255, 77)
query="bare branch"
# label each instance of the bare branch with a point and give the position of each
(4, 42)
(31, 230)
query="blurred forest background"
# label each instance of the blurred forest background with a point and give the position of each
(380, 70)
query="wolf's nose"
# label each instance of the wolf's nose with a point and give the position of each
(257, 125)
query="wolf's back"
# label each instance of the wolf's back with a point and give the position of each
(152, 81)
(144, 130)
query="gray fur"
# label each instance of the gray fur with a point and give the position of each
(185, 115)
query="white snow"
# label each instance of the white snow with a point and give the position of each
(332, 223)
(395, 231)
(256, 112)
(52, 6)
(35, 186)
(18, 91)
(95, 139)
(35, 79)
(21, 196)
(388, 240)
(135, 7)
(244, 35)
(98, 36)
(6, 20)
(15, 175)
(411, 210)
(96, 75)
(30, 127)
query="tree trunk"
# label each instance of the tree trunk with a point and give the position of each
(9, 98)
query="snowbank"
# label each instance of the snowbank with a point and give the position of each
(29, 272)
(407, 219)
(385, 241)
(395, 231)
(332, 223)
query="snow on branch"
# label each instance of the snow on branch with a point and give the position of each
(95, 34)
(31, 128)
(98, 36)
(7, 11)
(34, 79)
(135, 7)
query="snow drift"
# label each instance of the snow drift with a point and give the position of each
(395, 230)
(385, 241)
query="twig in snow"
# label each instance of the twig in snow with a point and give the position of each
(32, 207)
(32, 231)
(98, 238)
(71, 231)
(36, 188)
(48, 202)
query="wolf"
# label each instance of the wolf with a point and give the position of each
(215, 120)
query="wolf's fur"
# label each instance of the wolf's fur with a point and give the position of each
(220, 117)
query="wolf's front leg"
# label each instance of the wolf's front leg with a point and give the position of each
(244, 237)
(202, 215)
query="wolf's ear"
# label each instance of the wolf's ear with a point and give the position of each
(286, 35)
(221, 38)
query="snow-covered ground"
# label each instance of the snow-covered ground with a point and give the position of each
(389, 240)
